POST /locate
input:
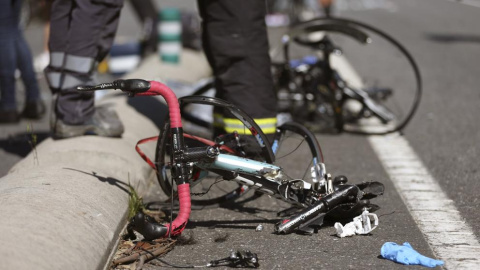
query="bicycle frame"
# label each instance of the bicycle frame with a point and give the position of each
(264, 177)
(267, 178)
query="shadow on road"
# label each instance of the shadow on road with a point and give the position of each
(151, 107)
(453, 38)
(23, 143)
(110, 180)
(231, 224)
(234, 206)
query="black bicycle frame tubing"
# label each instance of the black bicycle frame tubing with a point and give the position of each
(180, 170)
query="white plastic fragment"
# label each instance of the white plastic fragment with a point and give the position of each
(347, 230)
(259, 228)
(360, 225)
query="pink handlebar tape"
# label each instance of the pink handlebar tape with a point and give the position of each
(158, 88)
(178, 225)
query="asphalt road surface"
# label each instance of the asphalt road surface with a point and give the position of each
(444, 39)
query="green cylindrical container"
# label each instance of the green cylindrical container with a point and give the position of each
(169, 35)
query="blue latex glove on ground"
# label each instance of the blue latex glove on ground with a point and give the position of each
(406, 255)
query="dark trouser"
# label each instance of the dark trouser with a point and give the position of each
(147, 14)
(14, 53)
(236, 45)
(81, 34)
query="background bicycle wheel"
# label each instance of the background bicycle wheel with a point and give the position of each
(381, 53)
(401, 77)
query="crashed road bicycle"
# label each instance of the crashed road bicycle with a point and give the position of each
(314, 89)
(184, 161)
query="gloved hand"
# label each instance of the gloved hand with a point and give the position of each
(406, 255)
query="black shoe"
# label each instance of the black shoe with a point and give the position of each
(34, 109)
(104, 122)
(9, 116)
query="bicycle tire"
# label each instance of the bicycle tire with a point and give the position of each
(417, 91)
(200, 91)
(292, 145)
(234, 190)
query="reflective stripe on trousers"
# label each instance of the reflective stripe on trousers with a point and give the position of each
(267, 125)
(69, 71)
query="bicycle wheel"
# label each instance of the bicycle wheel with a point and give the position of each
(209, 187)
(297, 152)
(380, 80)
(192, 115)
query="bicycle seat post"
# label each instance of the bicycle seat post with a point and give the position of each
(327, 47)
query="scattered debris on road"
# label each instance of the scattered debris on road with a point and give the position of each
(139, 252)
(361, 224)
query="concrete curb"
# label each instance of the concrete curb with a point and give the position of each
(64, 205)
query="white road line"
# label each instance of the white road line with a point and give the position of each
(450, 237)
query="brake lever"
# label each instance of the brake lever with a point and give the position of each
(131, 86)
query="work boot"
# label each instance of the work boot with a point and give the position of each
(34, 109)
(104, 122)
(9, 116)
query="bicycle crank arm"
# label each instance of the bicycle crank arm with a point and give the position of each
(345, 193)
(378, 110)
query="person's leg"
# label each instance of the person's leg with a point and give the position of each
(236, 44)
(60, 20)
(25, 65)
(7, 56)
(90, 36)
(41, 61)
(147, 14)
(7, 72)
(86, 40)
(34, 106)
(75, 42)
(107, 35)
